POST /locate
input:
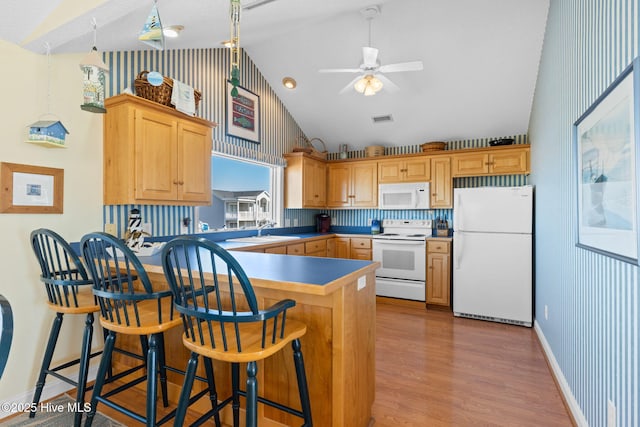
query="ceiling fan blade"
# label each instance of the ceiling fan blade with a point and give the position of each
(370, 57)
(402, 66)
(349, 86)
(340, 70)
(387, 84)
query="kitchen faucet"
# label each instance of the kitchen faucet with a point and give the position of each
(265, 225)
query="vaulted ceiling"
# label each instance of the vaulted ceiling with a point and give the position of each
(480, 57)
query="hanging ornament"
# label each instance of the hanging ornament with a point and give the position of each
(151, 32)
(235, 46)
(93, 83)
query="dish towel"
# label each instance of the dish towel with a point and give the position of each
(182, 97)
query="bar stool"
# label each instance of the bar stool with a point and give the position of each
(204, 279)
(129, 305)
(69, 292)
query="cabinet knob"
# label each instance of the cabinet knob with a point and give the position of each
(175, 182)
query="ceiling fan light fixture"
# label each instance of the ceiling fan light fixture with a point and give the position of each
(172, 31)
(368, 85)
(289, 82)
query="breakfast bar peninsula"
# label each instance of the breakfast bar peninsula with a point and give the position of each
(335, 298)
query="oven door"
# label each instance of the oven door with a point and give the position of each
(401, 259)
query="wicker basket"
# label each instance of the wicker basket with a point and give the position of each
(374, 150)
(433, 146)
(160, 94)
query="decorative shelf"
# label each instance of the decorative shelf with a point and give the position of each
(47, 144)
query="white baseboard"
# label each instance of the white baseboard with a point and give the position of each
(574, 407)
(52, 388)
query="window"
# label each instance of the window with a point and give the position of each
(245, 195)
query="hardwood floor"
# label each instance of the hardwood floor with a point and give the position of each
(433, 369)
(436, 370)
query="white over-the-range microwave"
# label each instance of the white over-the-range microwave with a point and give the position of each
(409, 195)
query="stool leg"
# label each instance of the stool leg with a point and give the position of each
(302, 383)
(185, 393)
(235, 385)
(105, 363)
(84, 368)
(252, 395)
(152, 380)
(162, 366)
(46, 361)
(213, 394)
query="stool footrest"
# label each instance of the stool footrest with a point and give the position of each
(276, 405)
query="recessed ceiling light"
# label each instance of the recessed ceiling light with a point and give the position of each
(289, 83)
(172, 31)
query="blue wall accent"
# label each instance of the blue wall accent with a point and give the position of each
(592, 300)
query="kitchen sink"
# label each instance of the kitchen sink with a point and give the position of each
(262, 239)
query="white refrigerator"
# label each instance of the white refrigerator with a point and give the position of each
(493, 254)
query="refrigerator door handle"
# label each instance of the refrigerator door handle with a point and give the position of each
(458, 248)
(457, 221)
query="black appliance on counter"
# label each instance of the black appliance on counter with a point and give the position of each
(323, 223)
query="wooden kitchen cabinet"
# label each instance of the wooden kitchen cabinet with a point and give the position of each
(305, 182)
(154, 154)
(414, 169)
(508, 160)
(339, 247)
(438, 273)
(360, 248)
(441, 183)
(352, 184)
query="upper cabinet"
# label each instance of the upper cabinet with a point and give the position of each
(305, 182)
(441, 183)
(154, 154)
(413, 169)
(508, 160)
(352, 184)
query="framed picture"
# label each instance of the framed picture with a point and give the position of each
(606, 137)
(243, 114)
(31, 189)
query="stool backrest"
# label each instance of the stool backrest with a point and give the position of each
(215, 297)
(62, 272)
(6, 332)
(121, 284)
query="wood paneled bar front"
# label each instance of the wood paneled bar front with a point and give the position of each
(335, 298)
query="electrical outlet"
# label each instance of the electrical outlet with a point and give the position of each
(287, 222)
(611, 414)
(111, 229)
(295, 222)
(546, 312)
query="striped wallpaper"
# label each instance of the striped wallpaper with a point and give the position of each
(591, 334)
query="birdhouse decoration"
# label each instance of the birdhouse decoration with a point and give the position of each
(48, 132)
(93, 80)
(93, 91)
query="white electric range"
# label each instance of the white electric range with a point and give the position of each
(402, 252)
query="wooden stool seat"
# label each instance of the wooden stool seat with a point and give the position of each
(86, 303)
(149, 324)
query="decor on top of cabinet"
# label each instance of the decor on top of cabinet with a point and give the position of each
(93, 71)
(151, 32)
(433, 146)
(161, 93)
(305, 145)
(374, 150)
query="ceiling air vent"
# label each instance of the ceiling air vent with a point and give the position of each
(382, 119)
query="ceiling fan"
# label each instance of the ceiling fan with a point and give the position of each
(371, 78)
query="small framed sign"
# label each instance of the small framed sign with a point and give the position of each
(243, 114)
(31, 189)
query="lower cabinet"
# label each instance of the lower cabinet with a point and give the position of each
(360, 248)
(350, 248)
(438, 273)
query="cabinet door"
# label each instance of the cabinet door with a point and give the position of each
(511, 162)
(438, 279)
(470, 164)
(417, 170)
(156, 165)
(314, 183)
(364, 185)
(194, 163)
(389, 171)
(441, 183)
(338, 185)
(342, 247)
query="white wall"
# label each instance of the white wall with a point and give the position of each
(23, 85)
